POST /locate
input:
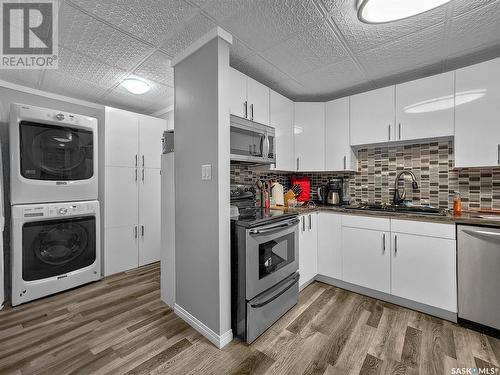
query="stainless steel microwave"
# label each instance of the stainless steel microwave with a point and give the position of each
(252, 142)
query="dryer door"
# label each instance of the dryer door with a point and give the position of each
(51, 152)
(56, 247)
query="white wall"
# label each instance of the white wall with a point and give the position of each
(202, 256)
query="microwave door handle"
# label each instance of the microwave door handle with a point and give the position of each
(264, 145)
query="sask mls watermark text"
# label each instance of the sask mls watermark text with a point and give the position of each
(28, 34)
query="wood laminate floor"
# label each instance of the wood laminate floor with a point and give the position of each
(119, 325)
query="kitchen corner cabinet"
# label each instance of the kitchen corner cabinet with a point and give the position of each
(338, 152)
(309, 130)
(330, 245)
(372, 116)
(249, 98)
(131, 190)
(477, 115)
(366, 252)
(308, 248)
(424, 108)
(423, 267)
(281, 118)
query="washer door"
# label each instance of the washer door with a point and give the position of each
(56, 247)
(51, 152)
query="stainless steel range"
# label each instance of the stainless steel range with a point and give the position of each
(264, 262)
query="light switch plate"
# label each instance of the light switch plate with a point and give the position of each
(206, 172)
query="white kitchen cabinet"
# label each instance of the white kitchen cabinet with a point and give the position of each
(150, 133)
(477, 115)
(149, 216)
(366, 258)
(132, 190)
(281, 118)
(424, 270)
(372, 116)
(424, 108)
(308, 248)
(249, 98)
(238, 99)
(120, 249)
(338, 152)
(330, 245)
(309, 129)
(121, 134)
(258, 101)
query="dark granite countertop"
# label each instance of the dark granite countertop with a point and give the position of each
(469, 218)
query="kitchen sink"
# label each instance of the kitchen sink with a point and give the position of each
(421, 210)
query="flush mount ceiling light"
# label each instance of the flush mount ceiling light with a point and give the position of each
(382, 11)
(136, 86)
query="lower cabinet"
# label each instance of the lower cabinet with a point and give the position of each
(330, 245)
(366, 258)
(308, 248)
(424, 270)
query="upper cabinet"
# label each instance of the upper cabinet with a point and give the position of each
(121, 134)
(424, 108)
(477, 115)
(249, 98)
(281, 118)
(372, 116)
(309, 132)
(338, 153)
(150, 133)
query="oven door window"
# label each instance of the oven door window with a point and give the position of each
(56, 247)
(276, 254)
(50, 152)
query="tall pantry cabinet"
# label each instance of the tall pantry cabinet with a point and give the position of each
(131, 190)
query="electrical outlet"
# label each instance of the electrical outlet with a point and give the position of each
(206, 172)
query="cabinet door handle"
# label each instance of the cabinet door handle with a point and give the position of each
(135, 231)
(303, 218)
(142, 174)
(254, 149)
(298, 164)
(136, 161)
(143, 160)
(395, 244)
(383, 242)
(310, 222)
(389, 132)
(498, 154)
(245, 108)
(136, 174)
(142, 230)
(251, 112)
(399, 126)
(345, 162)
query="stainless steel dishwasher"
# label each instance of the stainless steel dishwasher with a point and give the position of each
(479, 275)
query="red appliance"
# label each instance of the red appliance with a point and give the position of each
(305, 185)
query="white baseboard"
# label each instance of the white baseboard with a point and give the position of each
(218, 340)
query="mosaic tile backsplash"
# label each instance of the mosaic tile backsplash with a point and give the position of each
(432, 164)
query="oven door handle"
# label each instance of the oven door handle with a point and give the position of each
(274, 227)
(259, 304)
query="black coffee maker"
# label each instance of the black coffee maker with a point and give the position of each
(331, 194)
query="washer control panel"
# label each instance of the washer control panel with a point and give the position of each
(60, 209)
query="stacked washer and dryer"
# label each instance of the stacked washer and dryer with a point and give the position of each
(55, 241)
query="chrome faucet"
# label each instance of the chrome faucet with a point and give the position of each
(399, 198)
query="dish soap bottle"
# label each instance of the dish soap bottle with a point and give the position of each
(457, 204)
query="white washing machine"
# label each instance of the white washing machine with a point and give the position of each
(53, 155)
(54, 247)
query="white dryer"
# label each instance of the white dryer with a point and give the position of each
(54, 247)
(53, 155)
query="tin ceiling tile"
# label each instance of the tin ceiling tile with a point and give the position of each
(88, 36)
(157, 68)
(463, 6)
(184, 36)
(150, 20)
(24, 77)
(69, 85)
(265, 72)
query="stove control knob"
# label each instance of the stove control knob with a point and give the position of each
(63, 211)
(60, 116)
